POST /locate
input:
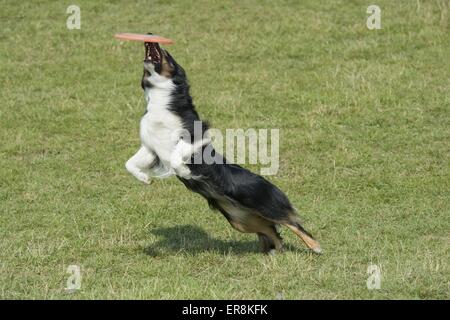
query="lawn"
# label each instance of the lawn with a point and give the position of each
(364, 120)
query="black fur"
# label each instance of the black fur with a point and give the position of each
(230, 180)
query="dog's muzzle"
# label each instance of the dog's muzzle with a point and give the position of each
(153, 53)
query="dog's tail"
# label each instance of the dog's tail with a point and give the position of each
(304, 235)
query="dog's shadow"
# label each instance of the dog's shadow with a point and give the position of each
(193, 240)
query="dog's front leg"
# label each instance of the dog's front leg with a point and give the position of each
(182, 154)
(139, 165)
(179, 157)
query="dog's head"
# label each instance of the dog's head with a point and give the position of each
(159, 66)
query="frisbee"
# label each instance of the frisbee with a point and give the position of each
(143, 38)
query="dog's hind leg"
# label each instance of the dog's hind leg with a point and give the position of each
(266, 243)
(270, 240)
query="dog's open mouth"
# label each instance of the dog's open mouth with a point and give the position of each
(152, 52)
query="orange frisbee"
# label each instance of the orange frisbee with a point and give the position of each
(143, 38)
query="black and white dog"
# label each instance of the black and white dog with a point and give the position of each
(249, 202)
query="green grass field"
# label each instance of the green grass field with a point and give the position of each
(364, 120)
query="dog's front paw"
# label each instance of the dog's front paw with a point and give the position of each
(178, 164)
(141, 176)
(183, 171)
(137, 172)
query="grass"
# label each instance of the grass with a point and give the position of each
(364, 125)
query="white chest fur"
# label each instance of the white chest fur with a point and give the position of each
(159, 129)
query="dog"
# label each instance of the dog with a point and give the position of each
(249, 202)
